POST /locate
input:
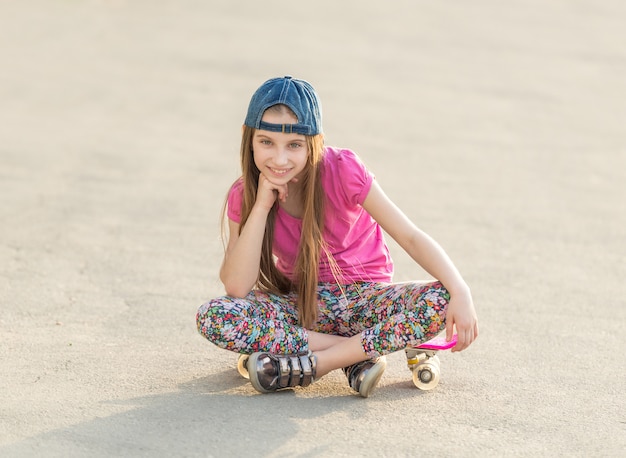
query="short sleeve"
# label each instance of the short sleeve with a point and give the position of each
(235, 200)
(353, 176)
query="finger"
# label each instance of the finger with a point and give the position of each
(459, 342)
(471, 336)
(459, 338)
(449, 329)
(466, 338)
(463, 340)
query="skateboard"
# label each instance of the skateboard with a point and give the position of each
(424, 362)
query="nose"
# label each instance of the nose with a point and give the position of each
(281, 157)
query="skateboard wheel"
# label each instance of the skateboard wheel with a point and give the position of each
(242, 366)
(426, 375)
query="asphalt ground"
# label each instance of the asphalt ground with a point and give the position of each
(498, 127)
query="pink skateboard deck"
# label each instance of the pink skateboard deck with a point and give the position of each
(439, 343)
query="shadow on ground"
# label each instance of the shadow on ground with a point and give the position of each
(218, 415)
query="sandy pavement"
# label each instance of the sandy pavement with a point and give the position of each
(499, 127)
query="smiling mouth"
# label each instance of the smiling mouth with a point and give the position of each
(279, 172)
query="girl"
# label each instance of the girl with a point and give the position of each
(307, 272)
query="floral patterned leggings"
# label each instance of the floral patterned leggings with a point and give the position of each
(389, 317)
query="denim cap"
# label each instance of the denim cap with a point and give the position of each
(298, 95)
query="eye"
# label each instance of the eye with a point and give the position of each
(296, 145)
(265, 142)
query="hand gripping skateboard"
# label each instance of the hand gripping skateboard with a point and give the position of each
(424, 362)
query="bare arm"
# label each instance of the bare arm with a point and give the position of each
(242, 260)
(240, 268)
(432, 258)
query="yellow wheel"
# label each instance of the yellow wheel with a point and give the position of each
(242, 366)
(426, 375)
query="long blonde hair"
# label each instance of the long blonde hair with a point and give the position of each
(311, 241)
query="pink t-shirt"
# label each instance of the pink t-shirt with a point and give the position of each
(354, 239)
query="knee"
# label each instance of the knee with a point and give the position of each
(439, 288)
(218, 321)
(436, 295)
(206, 318)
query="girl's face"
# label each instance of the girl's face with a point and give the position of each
(279, 156)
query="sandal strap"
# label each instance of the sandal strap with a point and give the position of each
(308, 363)
(271, 372)
(296, 370)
